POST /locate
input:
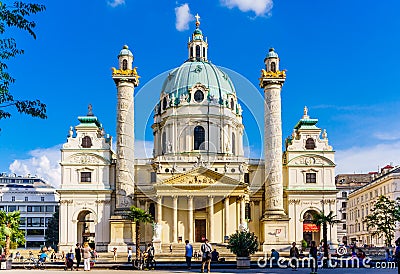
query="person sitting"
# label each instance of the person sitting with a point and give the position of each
(274, 255)
(214, 256)
(69, 260)
(42, 257)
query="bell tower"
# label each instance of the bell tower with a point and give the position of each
(275, 221)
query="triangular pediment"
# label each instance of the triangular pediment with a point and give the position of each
(200, 177)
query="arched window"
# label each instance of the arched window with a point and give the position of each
(199, 138)
(124, 64)
(310, 143)
(232, 104)
(199, 96)
(273, 66)
(198, 52)
(86, 142)
(191, 52)
(164, 142)
(164, 103)
(233, 143)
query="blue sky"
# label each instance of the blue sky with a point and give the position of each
(341, 58)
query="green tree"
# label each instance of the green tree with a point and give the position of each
(383, 217)
(138, 216)
(52, 229)
(15, 15)
(243, 243)
(9, 229)
(324, 220)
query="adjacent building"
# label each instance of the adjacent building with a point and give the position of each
(345, 184)
(360, 202)
(35, 199)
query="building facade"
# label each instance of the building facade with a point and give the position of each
(345, 184)
(36, 200)
(387, 183)
(198, 184)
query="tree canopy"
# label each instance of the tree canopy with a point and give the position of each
(383, 217)
(9, 229)
(138, 216)
(15, 15)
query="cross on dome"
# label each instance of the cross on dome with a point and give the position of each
(197, 19)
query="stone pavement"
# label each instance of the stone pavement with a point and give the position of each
(270, 271)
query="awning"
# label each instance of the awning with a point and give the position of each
(307, 227)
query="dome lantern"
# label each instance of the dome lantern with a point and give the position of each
(197, 46)
(272, 61)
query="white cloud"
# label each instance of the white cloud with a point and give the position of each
(366, 159)
(43, 163)
(183, 17)
(259, 7)
(116, 3)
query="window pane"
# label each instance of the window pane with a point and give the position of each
(86, 177)
(199, 138)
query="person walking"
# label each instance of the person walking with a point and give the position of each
(78, 255)
(188, 254)
(86, 256)
(115, 254)
(150, 256)
(294, 256)
(206, 257)
(313, 257)
(129, 254)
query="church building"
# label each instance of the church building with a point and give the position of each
(198, 184)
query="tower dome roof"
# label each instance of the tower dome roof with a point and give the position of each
(272, 54)
(125, 51)
(192, 73)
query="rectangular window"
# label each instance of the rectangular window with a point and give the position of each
(344, 215)
(35, 221)
(344, 204)
(35, 208)
(247, 178)
(13, 198)
(311, 177)
(86, 177)
(22, 208)
(50, 209)
(153, 177)
(12, 208)
(35, 232)
(42, 199)
(26, 199)
(344, 226)
(22, 221)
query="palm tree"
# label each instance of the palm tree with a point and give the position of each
(138, 216)
(9, 228)
(322, 219)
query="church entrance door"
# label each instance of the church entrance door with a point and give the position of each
(86, 227)
(200, 229)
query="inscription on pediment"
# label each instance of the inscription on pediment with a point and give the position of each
(191, 179)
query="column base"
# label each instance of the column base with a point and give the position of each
(121, 233)
(275, 231)
(157, 246)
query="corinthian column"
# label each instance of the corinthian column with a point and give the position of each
(190, 210)
(211, 218)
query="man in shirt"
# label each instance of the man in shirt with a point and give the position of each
(188, 254)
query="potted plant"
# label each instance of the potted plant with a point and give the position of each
(243, 244)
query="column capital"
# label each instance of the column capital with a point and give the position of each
(175, 197)
(190, 197)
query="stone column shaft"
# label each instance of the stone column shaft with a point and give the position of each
(159, 210)
(242, 211)
(190, 218)
(273, 149)
(211, 218)
(125, 145)
(226, 219)
(175, 219)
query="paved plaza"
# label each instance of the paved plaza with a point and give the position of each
(270, 271)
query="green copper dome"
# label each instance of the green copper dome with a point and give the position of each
(189, 74)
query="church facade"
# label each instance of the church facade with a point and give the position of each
(198, 184)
